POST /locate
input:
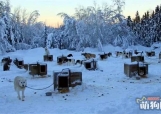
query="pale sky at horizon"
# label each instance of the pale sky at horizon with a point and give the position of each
(49, 9)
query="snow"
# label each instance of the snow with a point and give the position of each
(107, 92)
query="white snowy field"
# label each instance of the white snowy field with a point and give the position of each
(107, 92)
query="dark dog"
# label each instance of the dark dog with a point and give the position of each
(137, 52)
(127, 54)
(6, 59)
(118, 53)
(6, 66)
(69, 55)
(79, 62)
(103, 56)
(109, 54)
(69, 61)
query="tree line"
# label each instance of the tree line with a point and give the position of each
(147, 28)
(92, 26)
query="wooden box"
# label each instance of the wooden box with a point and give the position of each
(130, 69)
(65, 79)
(136, 68)
(137, 58)
(38, 69)
(48, 57)
(90, 64)
(19, 62)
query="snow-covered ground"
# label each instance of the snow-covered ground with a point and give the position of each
(107, 92)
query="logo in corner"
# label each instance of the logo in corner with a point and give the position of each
(149, 103)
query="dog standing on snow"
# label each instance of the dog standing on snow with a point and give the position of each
(20, 84)
(47, 51)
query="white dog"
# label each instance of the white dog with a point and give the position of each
(47, 51)
(20, 84)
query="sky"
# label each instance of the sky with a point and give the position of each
(49, 9)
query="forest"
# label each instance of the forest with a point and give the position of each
(92, 26)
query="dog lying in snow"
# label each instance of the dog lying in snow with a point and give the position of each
(103, 56)
(88, 55)
(20, 84)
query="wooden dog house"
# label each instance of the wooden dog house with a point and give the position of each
(90, 64)
(38, 69)
(65, 79)
(131, 69)
(137, 58)
(48, 57)
(19, 62)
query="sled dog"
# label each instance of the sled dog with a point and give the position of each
(20, 84)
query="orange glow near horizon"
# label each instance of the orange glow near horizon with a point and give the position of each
(54, 21)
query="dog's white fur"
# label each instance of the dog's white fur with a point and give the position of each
(20, 84)
(47, 51)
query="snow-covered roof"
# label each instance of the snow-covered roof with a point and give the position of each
(42, 63)
(91, 60)
(39, 63)
(63, 74)
(131, 63)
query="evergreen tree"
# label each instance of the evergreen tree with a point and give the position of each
(137, 17)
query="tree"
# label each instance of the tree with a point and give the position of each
(137, 17)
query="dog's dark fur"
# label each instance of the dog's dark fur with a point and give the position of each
(6, 66)
(109, 54)
(79, 62)
(6, 59)
(67, 60)
(127, 54)
(70, 55)
(118, 53)
(103, 56)
(137, 52)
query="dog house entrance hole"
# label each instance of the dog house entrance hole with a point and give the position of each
(60, 60)
(42, 68)
(63, 81)
(142, 71)
(50, 58)
(88, 65)
(20, 63)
